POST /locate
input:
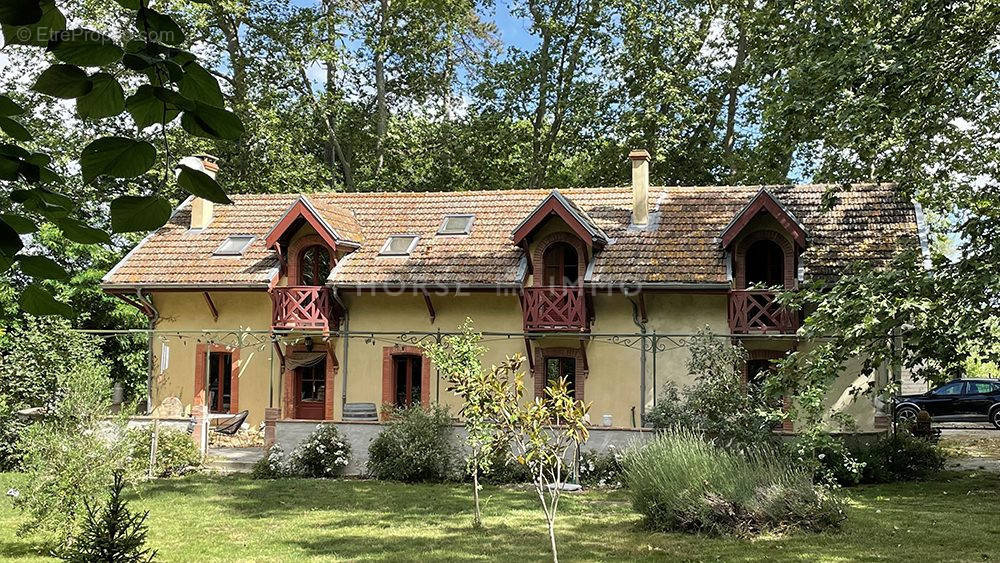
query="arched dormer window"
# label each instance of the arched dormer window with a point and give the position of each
(314, 265)
(561, 265)
(765, 264)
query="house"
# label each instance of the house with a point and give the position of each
(307, 304)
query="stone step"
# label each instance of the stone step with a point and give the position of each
(232, 460)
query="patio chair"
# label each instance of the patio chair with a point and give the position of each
(231, 426)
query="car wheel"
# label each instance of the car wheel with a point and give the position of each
(906, 416)
(995, 417)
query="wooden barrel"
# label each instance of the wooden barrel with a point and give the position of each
(360, 411)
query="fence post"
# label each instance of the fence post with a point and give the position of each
(200, 435)
(270, 426)
(153, 445)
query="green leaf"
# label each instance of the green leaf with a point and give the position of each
(63, 81)
(202, 185)
(42, 268)
(198, 84)
(106, 99)
(10, 241)
(9, 107)
(130, 4)
(173, 99)
(84, 47)
(139, 213)
(20, 223)
(45, 201)
(8, 168)
(212, 123)
(118, 157)
(5, 263)
(39, 33)
(77, 231)
(158, 27)
(14, 130)
(36, 301)
(146, 108)
(20, 12)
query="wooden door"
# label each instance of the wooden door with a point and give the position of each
(310, 390)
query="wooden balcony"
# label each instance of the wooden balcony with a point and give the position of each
(757, 311)
(555, 309)
(302, 307)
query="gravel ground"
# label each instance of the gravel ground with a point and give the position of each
(972, 446)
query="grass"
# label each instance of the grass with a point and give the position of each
(237, 519)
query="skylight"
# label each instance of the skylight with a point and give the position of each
(234, 245)
(399, 245)
(456, 225)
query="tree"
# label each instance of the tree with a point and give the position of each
(541, 432)
(458, 359)
(113, 534)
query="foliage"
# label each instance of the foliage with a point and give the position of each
(601, 469)
(504, 470)
(11, 427)
(718, 403)
(176, 453)
(900, 457)
(323, 454)
(541, 432)
(681, 481)
(826, 457)
(415, 446)
(458, 360)
(273, 465)
(114, 533)
(70, 455)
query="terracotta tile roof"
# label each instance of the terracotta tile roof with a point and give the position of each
(680, 245)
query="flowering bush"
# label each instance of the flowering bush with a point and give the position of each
(272, 466)
(827, 457)
(601, 469)
(415, 446)
(323, 454)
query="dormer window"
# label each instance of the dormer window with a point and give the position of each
(399, 245)
(234, 245)
(456, 225)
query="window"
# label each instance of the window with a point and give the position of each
(949, 389)
(407, 378)
(314, 265)
(399, 245)
(557, 368)
(765, 264)
(234, 245)
(220, 381)
(561, 265)
(456, 225)
(980, 388)
(312, 383)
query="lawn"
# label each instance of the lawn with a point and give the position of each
(238, 519)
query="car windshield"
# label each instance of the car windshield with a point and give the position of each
(950, 389)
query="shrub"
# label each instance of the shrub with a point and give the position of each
(669, 411)
(176, 452)
(826, 457)
(272, 466)
(681, 481)
(11, 427)
(323, 454)
(504, 471)
(900, 457)
(415, 446)
(601, 469)
(113, 533)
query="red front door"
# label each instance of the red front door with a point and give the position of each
(310, 390)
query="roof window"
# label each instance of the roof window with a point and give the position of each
(456, 225)
(399, 245)
(234, 245)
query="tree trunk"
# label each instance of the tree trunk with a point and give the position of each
(478, 521)
(381, 109)
(735, 81)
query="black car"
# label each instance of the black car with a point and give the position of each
(965, 400)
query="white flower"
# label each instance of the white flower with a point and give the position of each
(821, 456)
(13, 493)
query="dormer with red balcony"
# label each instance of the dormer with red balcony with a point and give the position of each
(309, 239)
(764, 242)
(559, 239)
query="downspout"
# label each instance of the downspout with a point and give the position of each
(346, 335)
(642, 364)
(154, 317)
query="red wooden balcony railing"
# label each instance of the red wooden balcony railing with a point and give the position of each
(302, 307)
(555, 309)
(756, 310)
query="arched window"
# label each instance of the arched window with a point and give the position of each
(561, 265)
(765, 264)
(314, 265)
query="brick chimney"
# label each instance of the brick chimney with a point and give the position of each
(201, 209)
(640, 186)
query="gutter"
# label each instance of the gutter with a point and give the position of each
(347, 341)
(154, 317)
(642, 363)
